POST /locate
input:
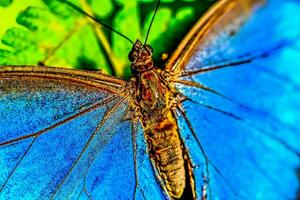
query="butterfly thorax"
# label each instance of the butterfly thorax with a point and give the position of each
(153, 97)
(151, 93)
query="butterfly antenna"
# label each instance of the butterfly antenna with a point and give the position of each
(157, 6)
(94, 19)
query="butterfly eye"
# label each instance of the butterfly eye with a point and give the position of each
(149, 48)
(131, 56)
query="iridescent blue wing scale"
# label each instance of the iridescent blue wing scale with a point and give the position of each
(115, 166)
(239, 71)
(54, 123)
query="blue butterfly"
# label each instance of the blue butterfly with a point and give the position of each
(234, 86)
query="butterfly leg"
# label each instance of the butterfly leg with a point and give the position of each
(84, 188)
(134, 114)
(208, 162)
(85, 191)
(205, 185)
(134, 147)
(203, 87)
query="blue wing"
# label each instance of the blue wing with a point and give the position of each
(53, 125)
(112, 176)
(244, 104)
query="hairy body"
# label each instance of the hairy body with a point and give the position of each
(155, 99)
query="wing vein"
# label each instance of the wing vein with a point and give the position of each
(244, 59)
(101, 123)
(36, 135)
(82, 112)
(266, 133)
(19, 162)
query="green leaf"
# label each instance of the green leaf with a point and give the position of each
(5, 3)
(52, 33)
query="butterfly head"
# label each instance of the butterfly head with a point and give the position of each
(140, 57)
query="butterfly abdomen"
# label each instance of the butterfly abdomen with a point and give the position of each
(169, 157)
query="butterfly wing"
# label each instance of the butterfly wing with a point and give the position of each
(114, 172)
(239, 69)
(54, 123)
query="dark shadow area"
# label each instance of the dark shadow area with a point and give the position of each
(86, 64)
(298, 191)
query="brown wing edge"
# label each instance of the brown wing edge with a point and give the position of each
(88, 78)
(222, 11)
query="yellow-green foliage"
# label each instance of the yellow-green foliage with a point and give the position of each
(51, 33)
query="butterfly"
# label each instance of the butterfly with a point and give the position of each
(218, 121)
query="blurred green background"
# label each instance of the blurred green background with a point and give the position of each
(51, 33)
